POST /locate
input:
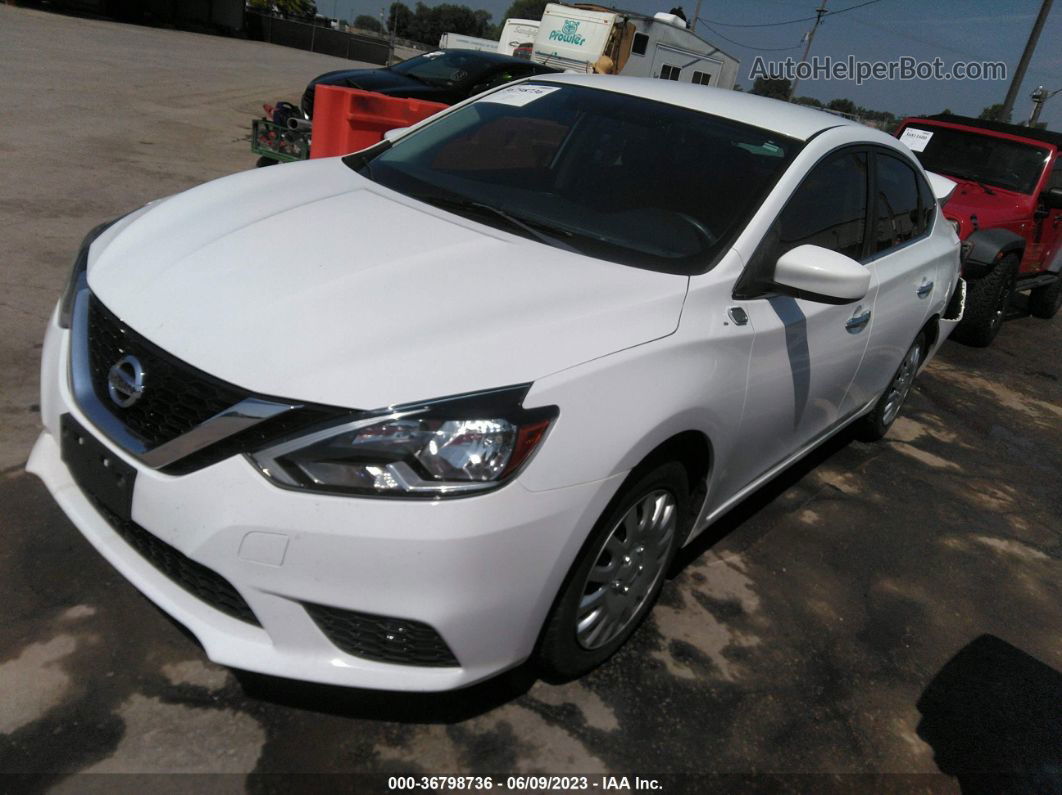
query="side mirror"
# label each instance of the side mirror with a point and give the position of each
(390, 135)
(1052, 197)
(819, 274)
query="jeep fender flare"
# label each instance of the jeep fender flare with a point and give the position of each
(986, 247)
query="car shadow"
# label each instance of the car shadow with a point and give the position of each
(993, 716)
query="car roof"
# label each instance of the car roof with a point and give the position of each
(1032, 133)
(786, 118)
(496, 57)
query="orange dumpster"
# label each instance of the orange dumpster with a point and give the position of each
(348, 119)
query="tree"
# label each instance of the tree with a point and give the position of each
(300, 9)
(776, 87)
(994, 113)
(815, 103)
(842, 105)
(399, 19)
(429, 23)
(365, 22)
(525, 9)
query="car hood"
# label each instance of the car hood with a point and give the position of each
(309, 282)
(999, 208)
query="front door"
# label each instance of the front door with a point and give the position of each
(806, 353)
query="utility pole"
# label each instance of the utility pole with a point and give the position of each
(820, 12)
(1039, 97)
(1023, 64)
(696, 16)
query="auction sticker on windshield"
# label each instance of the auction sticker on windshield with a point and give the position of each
(519, 95)
(916, 139)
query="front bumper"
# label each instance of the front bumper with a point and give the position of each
(482, 571)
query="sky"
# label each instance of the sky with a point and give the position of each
(981, 30)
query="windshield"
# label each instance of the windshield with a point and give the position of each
(982, 158)
(605, 174)
(443, 68)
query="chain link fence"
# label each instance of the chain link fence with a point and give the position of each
(289, 33)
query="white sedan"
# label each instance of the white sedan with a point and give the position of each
(408, 418)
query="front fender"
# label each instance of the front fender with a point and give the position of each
(985, 247)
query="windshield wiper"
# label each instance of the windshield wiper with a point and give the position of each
(542, 232)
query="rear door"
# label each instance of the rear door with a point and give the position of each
(908, 274)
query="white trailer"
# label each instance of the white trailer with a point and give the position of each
(518, 36)
(459, 41)
(581, 37)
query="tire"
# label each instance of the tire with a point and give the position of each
(1044, 302)
(987, 300)
(621, 594)
(264, 161)
(874, 426)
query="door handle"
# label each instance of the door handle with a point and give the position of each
(924, 289)
(857, 323)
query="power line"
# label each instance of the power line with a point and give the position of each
(705, 22)
(746, 46)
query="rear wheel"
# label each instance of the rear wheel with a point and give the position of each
(987, 301)
(876, 424)
(618, 575)
(1045, 301)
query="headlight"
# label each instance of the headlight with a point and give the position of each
(453, 446)
(77, 274)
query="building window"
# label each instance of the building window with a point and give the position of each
(668, 72)
(702, 78)
(641, 41)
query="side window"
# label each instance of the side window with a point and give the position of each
(829, 208)
(897, 204)
(641, 41)
(1055, 180)
(668, 72)
(702, 78)
(927, 205)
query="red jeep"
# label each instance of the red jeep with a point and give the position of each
(1006, 208)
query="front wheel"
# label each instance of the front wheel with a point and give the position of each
(987, 301)
(876, 424)
(1044, 302)
(618, 574)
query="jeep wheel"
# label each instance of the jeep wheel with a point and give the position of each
(618, 574)
(987, 301)
(876, 424)
(1045, 301)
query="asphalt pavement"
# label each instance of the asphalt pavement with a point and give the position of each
(884, 617)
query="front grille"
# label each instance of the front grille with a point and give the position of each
(197, 579)
(384, 639)
(177, 397)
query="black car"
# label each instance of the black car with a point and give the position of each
(447, 76)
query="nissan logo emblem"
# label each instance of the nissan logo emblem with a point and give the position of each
(125, 381)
